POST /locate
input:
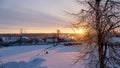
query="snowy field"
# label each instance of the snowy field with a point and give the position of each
(35, 57)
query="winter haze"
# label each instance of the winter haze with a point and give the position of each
(35, 16)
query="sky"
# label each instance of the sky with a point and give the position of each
(36, 16)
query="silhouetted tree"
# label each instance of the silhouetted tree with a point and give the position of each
(20, 37)
(58, 35)
(100, 19)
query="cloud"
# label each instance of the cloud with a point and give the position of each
(33, 19)
(33, 14)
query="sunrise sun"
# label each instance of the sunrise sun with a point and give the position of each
(81, 31)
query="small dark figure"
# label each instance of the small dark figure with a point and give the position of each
(46, 52)
(55, 45)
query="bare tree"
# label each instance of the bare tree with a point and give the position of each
(20, 36)
(58, 35)
(100, 19)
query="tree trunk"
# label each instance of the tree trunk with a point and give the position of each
(99, 36)
(101, 56)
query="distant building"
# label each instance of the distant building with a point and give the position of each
(9, 39)
(57, 40)
(51, 40)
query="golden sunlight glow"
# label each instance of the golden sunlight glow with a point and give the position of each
(81, 31)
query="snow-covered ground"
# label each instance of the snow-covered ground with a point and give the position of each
(35, 57)
(116, 39)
